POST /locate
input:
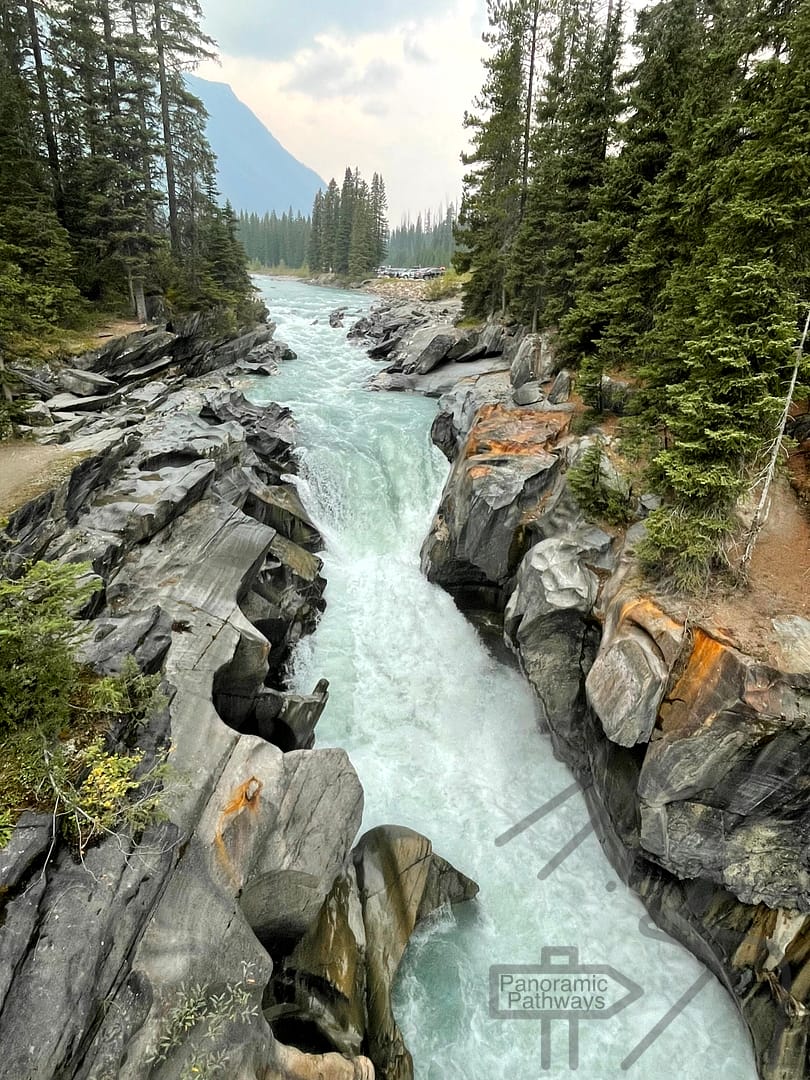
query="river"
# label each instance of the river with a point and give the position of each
(445, 741)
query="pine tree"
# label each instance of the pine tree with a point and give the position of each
(490, 208)
(315, 257)
(36, 268)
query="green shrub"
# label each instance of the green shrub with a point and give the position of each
(39, 677)
(597, 499)
(196, 1015)
(445, 287)
(55, 716)
(685, 548)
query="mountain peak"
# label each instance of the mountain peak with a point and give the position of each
(254, 171)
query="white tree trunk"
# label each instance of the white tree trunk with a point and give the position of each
(761, 513)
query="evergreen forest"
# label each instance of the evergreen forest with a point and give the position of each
(646, 196)
(349, 229)
(107, 189)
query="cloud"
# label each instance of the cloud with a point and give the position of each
(331, 71)
(364, 99)
(414, 51)
(275, 29)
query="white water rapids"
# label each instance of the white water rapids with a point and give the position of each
(444, 740)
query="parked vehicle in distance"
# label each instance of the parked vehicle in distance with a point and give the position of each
(413, 273)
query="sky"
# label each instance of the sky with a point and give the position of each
(377, 84)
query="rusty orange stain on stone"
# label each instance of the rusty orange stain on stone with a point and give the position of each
(690, 703)
(503, 432)
(478, 472)
(247, 797)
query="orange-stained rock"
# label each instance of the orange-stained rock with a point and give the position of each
(506, 476)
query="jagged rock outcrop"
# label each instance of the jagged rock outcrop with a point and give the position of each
(422, 345)
(155, 954)
(503, 481)
(692, 755)
(339, 978)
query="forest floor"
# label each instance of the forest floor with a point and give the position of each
(778, 582)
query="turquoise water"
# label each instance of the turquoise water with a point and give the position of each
(444, 740)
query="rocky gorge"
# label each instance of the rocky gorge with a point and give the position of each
(247, 932)
(251, 931)
(691, 752)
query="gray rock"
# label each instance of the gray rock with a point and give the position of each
(630, 675)
(428, 350)
(73, 403)
(401, 881)
(561, 388)
(85, 383)
(458, 408)
(144, 636)
(142, 349)
(38, 415)
(504, 477)
(546, 624)
(528, 394)
(534, 361)
(616, 395)
(793, 638)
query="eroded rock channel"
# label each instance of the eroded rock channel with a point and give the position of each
(252, 891)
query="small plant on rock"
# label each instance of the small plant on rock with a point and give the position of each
(598, 498)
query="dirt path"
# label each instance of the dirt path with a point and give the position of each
(778, 585)
(27, 469)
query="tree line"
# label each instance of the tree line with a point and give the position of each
(349, 233)
(107, 180)
(656, 216)
(429, 241)
(275, 242)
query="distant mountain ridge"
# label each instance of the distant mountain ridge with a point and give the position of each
(255, 172)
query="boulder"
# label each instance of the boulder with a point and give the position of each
(723, 790)
(616, 395)
(145, 348)
(561, 388)
(534, 361)
(528, 394)
(547, 625)
(74, 403)
(427, 350)
(630, 675)
(501, 482)
(85, 383)
(458, 407)
(400, 881)
(38, 415)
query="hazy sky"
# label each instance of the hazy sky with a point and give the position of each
(381, 84)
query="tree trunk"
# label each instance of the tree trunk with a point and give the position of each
(109, 49)
(142, 116)
(168, 149)
(137, 296)
(524, 180)
(761, 515)
(5, 389)
(45, 108)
